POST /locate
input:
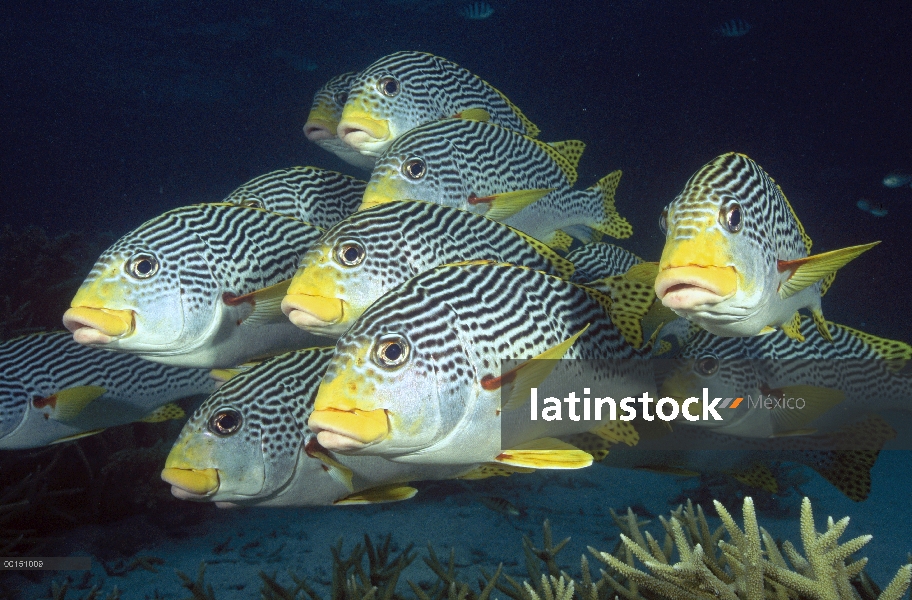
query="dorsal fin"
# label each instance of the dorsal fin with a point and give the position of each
(572, 149)
(804, 236)
(532, 129)
(566, 166)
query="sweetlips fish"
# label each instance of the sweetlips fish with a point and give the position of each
(418, 377)
(54, 390)
(199, 286)
(404, 90)
(736, 260)
(492, 170)
(843, 457)
(376, 250)
(322, 123)
(249, 445)
(598, 260)
(810, 387)
(318, 196)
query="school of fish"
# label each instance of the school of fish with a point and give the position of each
(351, 337)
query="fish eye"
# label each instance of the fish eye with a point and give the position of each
(142, 266)
(350, 254)
(663, 221)
(252, 203)
(391, 352)
(730, 217)
(388, 86)
(414, 168)
(225, 422)
(340, 98)
(706, 365)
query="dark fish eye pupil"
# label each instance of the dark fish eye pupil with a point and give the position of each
(351, 254)
(225, 422)
(415, 168)
(734, 219)
(392, 352)
(144, 267)
(341, 98)
(388, 86)
(708, 365)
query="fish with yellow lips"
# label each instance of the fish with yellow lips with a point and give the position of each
(248, 444)
(406, 89)
(322, 123)
(736, 259)
(418, 377)
(199, 286)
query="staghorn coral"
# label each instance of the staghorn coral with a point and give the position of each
(748, 566)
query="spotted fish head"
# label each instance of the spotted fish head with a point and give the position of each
(353, 264)
(386, 100)
(178, 286)
(423, 164)
(247, 441)
(724, 234)
(323, 120)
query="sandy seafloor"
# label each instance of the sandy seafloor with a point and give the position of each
(451, 515)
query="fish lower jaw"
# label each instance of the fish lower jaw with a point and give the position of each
(309, 322)
(316, 131)
(337, 442)
(688, 297)
(192, 484)
(89, 336)
(361, 140)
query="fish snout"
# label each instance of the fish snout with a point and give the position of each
(97, 326)
(349, 430)
(317, 129)
(313, 312)
(362, 132)
(191, 484)
(688, 287)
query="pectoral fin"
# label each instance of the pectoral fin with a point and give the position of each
(266, 302)
(809, 270)
(473, 114)
(67, 404)
(817, 400)
(384, 493)
(518, 382)
(505, 205)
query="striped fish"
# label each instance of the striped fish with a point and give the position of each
(599, 260)
(318, 196)
(837, 382)
(418, 377)
(485, 168)
(373, 251)
(404, 90)
(248, 445)
(199, 286)
(323, 121)
(53, 390)
(736, 259)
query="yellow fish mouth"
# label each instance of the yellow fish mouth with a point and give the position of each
(314, 312)
(98, 326)
(690, 287)
(191, 484)
(361, 131)
(349, 430)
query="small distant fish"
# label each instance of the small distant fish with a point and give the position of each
(733, 28)
(877, 210)
(501, 505)
(897, 179)
(323, 120)
(477, 11)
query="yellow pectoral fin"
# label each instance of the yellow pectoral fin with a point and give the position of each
(336, 470)
(72, 401)
(817, 401)
(384, 493)
(473, 114)
(546, 453)
(518, 382)
(164, 413)
(267, 304)
(505, 205)
(645, 272)
(822, 327)
(808, 271)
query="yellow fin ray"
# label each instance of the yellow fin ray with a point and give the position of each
(822, 328)
(77, 436)
(505, 205)
(546, 453)
(612, 223)
(385, 493)
(791, 328)
(809, 270)
(559, 241)
(267, 304)
(473, 114)
(566, 166)
(493, 470)
(70, 402)
(518, 382)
